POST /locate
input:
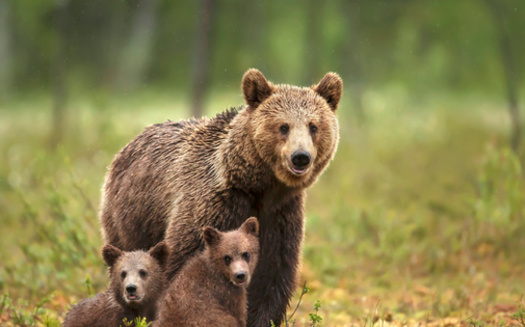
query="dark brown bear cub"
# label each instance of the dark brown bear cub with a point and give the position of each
(178, 177)
(136, 287)
(210, 290)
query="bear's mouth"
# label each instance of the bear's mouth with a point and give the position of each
(298, 171)
(239, 283)
(132, 298)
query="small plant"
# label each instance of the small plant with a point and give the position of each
(287, 320)
(137, 322)
(5, 303)
(519, 315)
(315, 317)
(23, 314)
(89, 286)
(50, 321)
(474, 323)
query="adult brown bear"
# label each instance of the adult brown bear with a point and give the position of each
(178, 177)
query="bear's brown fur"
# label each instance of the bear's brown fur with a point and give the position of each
(177, 177)
(210, 289)
(137, 284)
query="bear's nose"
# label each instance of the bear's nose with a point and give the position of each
(301, 159)
(240, 276)
(131, 289)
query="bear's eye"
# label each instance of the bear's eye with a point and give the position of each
(313, 129)
(246, 256)
(123, 274)
(284, 129)
(227, 260)
(143, 273)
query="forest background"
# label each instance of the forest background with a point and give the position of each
(419, 220)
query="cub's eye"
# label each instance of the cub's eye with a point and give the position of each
(143, 273)
(123, 274)
(284, 129)
(313, 129)
(246, 256)
(227, 260)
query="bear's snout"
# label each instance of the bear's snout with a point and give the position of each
(131, 289)
(301, 159)
(240, 276)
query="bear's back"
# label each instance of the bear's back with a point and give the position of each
(98, 311)
(157, 164)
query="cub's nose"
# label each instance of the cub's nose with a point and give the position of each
(301, 159)
(240, 276)
(131, 289)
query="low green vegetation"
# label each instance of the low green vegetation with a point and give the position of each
(419, 220)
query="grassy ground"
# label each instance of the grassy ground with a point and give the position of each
(418, 220)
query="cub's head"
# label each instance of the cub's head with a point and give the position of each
(294, 129)
(137, 277)
(234, 254)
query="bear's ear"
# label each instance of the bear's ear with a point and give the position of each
(211, 236)
(331, 89)
(255, 88)
(160, 253)
(250, 226)
(111, 254)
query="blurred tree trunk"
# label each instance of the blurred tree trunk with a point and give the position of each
(113, 44)
(352, 60)
(136, 53)
(314, 41)
(255, 25)
(509, 69)
(202, 56)
(58, 72)
(5, 49)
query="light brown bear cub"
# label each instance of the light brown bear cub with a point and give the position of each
(210, 290)
(136, 287)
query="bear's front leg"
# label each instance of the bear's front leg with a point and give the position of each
(275, 278)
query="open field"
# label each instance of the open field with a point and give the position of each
(419, 220)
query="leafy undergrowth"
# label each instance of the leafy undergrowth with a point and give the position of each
(418, 221)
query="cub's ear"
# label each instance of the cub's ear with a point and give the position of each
(255, 88)
(111, 254)
(211, 236)
(250, 226)
(160, 253)
(331, 89)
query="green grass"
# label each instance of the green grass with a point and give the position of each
(419, 218)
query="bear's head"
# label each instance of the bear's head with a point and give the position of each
(137, 278)
(294, 129)
(233, 254)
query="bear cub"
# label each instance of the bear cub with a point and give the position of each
(137, 284)
(210, 290)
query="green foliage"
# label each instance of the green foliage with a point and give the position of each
(501, 191)
(137, 322)
(89, 286)
(315, 318)
(50, 321)
(519, 315)
(305, 289)
(474, 323)
(415, 211)
(22, 313)
(424, 44)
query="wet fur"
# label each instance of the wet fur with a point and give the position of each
(110, 308)
(177, 177)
